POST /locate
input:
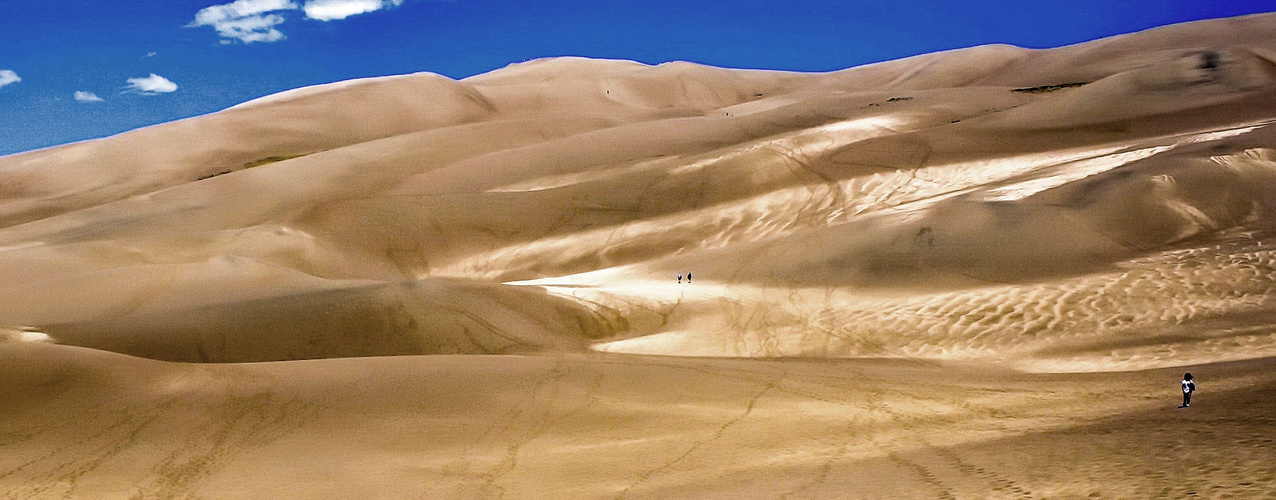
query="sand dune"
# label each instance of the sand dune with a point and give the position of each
(911, 279)
(90, 424)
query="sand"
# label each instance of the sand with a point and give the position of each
(971, 274)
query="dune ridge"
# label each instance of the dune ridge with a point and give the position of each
(934, 172)
(904, 268)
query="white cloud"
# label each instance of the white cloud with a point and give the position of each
(151, 85)
(251, 21)
(245, 20)
(86, 96)
(7, 76)
(328, 10)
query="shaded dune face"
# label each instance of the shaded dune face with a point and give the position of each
(1105, 205)
(433, 316)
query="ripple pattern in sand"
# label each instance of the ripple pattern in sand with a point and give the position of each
(1183, 306)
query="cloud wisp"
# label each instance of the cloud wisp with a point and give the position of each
(8, 77)
(150, 85)
(251, 21)
(86, 96)
(328, 10)
(245, 20)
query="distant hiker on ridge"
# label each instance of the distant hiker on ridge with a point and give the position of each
(1188, 388)
(679, 278)
(688, 277)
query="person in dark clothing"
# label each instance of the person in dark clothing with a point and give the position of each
(1188, 388)
(688, 276)
(679, 278)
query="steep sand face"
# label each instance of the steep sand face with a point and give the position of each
(964, 247)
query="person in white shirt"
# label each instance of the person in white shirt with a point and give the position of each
(1188, 388)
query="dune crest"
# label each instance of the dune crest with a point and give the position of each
(982, 203)
(971, 274)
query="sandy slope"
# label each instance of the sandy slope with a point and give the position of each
(90, 424)
(913, 278)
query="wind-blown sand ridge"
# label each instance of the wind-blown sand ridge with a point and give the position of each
(969, 274)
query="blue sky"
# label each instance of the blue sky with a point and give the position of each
(133, 63)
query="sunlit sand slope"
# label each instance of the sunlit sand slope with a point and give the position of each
(899, 280)
(1055, 209)
(90, 424)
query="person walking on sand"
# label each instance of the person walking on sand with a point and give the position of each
(1188, 388)
(688, 277)
(679, 278)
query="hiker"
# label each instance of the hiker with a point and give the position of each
(688, 277)
(679, 278)
(1188, 388)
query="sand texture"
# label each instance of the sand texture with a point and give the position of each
(970, 274)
